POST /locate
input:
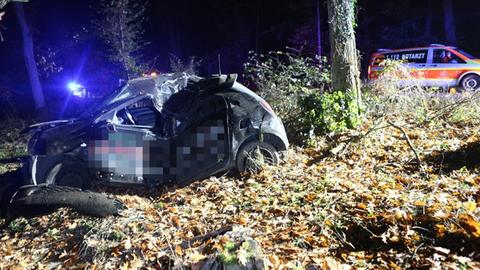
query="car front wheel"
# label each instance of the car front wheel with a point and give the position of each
(70, 173)
(471, 82)
(254, 155)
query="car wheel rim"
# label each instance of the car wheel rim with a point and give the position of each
(471, 84)
(258, 158)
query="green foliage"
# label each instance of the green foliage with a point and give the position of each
(329, 112)
(285, 73)
(282, 78)
(53, 232)
(18, 225)
(116, 235)
(228, 256)
(230, 246)
(160, 205)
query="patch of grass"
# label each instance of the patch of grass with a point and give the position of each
(159, 205)
(18, 225)
(116, 235)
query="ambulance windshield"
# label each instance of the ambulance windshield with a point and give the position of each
(469, 56)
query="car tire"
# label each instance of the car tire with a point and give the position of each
(470, 83)
(31, 201)
(253, 155)
(69, 172)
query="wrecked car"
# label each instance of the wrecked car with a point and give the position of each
(169, 128)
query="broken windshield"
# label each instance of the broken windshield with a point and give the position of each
(160, 87)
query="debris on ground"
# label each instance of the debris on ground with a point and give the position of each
(367, 202)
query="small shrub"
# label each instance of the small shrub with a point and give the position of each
(390, 95)
(282, 78)
(396, 92)
(159, 205)
(116, 235)
(18, 225)
(329, 112)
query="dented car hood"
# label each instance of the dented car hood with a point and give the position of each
(159, 87)
(47, 125)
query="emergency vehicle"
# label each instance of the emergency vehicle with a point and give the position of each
(436, 65)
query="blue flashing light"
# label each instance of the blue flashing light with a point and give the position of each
(76, 89)
(73, 86)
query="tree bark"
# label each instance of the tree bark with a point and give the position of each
(449, 22)
(319, 31)
(29, 56)
(345, 67)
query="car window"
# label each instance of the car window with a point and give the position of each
(378, 60)
(469, 56)
(441, 56)
(414, 56)
(200, 112)
(143, 113)
(140, 113)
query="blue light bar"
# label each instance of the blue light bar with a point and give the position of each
(76, 89)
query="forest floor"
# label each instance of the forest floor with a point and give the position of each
(394, 193)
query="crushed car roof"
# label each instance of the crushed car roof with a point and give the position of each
(161, 87)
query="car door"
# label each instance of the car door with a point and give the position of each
(416, 61)
(444, 68)
(130, 146)
(202, 146)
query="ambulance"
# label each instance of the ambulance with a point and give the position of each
(436, 65)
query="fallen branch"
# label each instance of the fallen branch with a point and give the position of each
(448, 109)
(407, 138)
(356, 139)
(201, 238)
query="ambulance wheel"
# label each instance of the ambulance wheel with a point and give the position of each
(471, 83)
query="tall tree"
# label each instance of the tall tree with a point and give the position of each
(319, 30)
(121, 29)
(449, 22)
(345, 67)
(29, 56)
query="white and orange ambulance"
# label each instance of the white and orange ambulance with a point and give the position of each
(432, 66)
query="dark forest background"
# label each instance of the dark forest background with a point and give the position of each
(67, 47)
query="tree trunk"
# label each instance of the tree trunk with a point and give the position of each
(449, 22)
(345, 68)
(319, 31)
(29, 56)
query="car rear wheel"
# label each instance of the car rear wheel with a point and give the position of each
(471, 82)
(254, 155)
(70, 173)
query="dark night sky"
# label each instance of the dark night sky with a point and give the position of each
(207, 28)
